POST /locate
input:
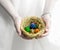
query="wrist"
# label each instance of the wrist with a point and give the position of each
(46, 13)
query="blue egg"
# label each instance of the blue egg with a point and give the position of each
(33, 26)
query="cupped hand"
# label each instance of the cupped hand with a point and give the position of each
(47, 19)
(17, 23)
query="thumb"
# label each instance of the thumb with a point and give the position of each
(47, 19)
(17, 25)
(17, 29)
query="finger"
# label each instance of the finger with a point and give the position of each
(45, 33)
(47, 19)
(17, 30)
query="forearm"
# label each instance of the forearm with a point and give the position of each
(49, 4)
(9, 7)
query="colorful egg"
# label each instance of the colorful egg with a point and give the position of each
(27, 28)
(33, 26)
(36, 30)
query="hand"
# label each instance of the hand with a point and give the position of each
(17, 23)
(46, 19)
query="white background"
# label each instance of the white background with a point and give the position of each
(9, 40)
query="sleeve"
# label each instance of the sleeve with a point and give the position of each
(49, 4)
(10, 8)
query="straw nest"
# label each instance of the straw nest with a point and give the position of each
(27, 20)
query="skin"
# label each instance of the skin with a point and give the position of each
(17, 18)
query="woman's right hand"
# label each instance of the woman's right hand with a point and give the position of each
(17, 23)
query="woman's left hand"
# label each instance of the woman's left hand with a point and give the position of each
(46, 18)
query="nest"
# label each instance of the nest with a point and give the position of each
(27, 21)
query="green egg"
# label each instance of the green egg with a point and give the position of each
(27, 28)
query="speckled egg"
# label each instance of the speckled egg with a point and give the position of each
(33, 26)
(27, 28)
